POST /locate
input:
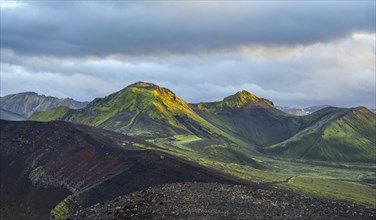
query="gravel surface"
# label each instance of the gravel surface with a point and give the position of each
(219, 201)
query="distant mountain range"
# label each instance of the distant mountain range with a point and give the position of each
(26, 103)
(232, 129)
(302, 111)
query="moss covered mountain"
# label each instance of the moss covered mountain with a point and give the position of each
(141, 109)
(250, 118)
(148, 111)
(234, 129)
(334, 134)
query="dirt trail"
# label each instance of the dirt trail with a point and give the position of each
(271, 184)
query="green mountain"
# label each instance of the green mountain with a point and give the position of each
(141, 109)
(155, 113)
(10, 116)
(243, 99)
(236, 129)
(335, 135)
(26, 103)
(253, 119)
(246, 136)
(58, 113)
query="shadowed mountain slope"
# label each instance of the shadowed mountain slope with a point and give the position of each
(43, 163)
(250, 118)
(330, 134)
(11, 116)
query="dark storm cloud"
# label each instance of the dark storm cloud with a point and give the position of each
(93, 28)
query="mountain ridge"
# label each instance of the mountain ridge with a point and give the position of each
(240, 124)
(11, 116)
(26, 103)
(241, 99)
(348, 135)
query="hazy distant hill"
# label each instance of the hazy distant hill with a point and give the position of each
(10, 116)
(302, 111)
(26, 103)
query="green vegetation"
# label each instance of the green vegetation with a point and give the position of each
(330, 153)
(343, 135)
(239, 100)
(141, 109)
(66, 207)
(58, 113)
(343, 181)
(335, 188)
(258, 127)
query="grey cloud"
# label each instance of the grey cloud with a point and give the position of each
(314, 77)
(92, 28)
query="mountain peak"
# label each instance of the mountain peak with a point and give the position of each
(141, 84)
(135, 106)
(246, 99)
(154, 90)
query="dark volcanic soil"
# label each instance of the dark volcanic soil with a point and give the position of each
(219, 201)
(42, 163)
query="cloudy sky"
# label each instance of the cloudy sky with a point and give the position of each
(293, 53)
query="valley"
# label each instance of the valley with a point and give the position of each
(187, 110)
(144, 136)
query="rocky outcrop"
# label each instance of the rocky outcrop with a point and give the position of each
(26, 103)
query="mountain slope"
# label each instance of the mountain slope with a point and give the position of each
(57, 113)
(43, 163)
(330, 134)
(148, 111)
(26, 103)
(251, 118)
(236, 129)
(10, 116)
(141, 109)
(339, 135)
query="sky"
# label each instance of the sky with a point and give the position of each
(298, 53)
